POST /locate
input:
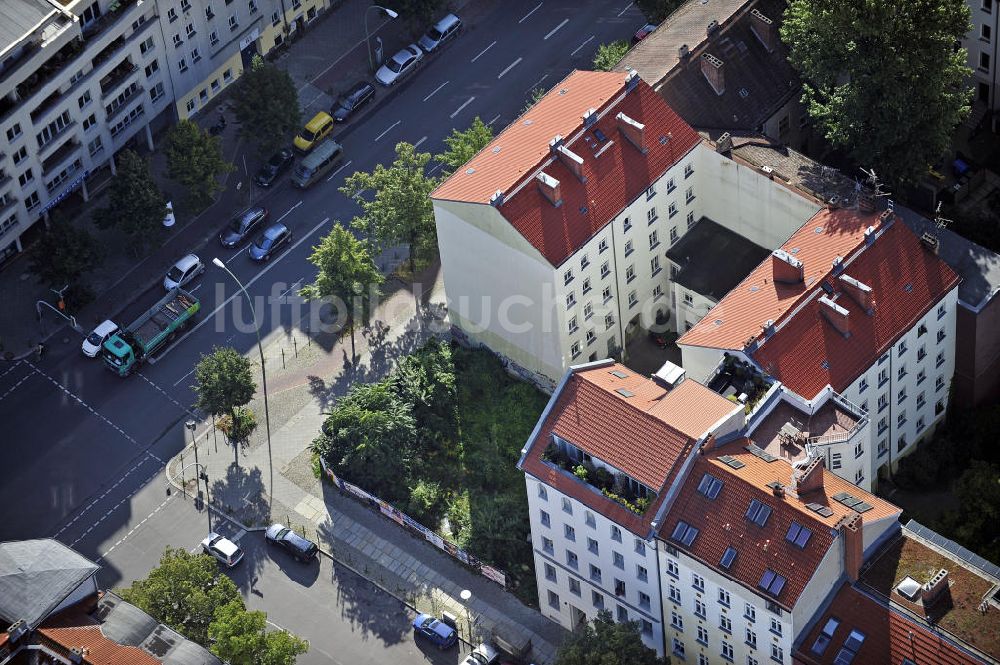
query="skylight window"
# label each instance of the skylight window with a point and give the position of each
(758, 512)
(684, 533)
(850, 649)
(625, 393)
(824, 637)
(620, 374)
(772, 582)
(728, 557)
(798, 534)
(710, 486)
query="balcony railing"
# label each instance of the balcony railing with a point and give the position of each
(109, 20)
(57, 158)
(113, 79)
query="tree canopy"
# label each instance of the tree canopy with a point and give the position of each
(195, 161)
(400, 210)
(224, 384)
(658, 10)
(241, 636)
(64, 253)
(609, 55)
(882, 79)
(267, 104)
(463, 145)
(605, 642)
(136, 207)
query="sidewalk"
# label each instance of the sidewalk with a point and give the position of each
(348, 531)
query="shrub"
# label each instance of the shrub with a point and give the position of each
(426, 503)
(580, 472)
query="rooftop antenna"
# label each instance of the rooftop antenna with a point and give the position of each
(871, 190)
(941, 222)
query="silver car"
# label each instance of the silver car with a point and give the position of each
(222, 549)
(441, 32)
(182, 272)
(399, 65)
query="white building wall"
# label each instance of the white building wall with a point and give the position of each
(691, 307)
(981, 41)
(578, 592)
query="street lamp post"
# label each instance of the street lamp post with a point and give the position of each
(200, 474)
(190, 425)
(466, 596)
(368, 41)
(263, 372)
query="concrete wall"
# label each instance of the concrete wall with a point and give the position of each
(977, 355)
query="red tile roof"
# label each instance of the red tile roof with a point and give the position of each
(613, 180)
(889, 635)
(722, 521)
(906, 279)
(740, 316)
(98, 649)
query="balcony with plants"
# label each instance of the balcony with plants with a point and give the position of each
(740, 382)
(599, 476)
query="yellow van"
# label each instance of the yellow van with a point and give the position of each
(315, 131)
(317, 164)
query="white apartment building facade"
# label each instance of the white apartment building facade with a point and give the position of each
(981, 45)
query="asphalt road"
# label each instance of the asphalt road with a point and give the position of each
(84, 450)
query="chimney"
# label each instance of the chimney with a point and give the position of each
(711, 67)
(683, 52)
(712, 28)
(778, 490)
(934, 587)
(589, 118)
(787, 268)
(573, 161)
(860, 293)
(838, 265)
(76, 655)
(631, 80)
(550, 188)
(724, 144)
(765, 30)
(497, 199)
(810, 478)
(634, 132)
(854, 548)
(836, 315)
(869, 236)
(931, 242)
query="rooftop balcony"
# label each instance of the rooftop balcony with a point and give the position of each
(600, 477)
(793, 433)
(740, 382)
(34, 52)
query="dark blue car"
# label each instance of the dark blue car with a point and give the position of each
(436, 631)
(270, 241)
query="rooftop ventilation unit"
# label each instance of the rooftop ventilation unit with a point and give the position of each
(909, 588)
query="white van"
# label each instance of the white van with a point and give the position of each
(317, 163)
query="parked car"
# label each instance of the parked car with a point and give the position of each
(644, 32)
(399, 65)
(278, 164)
(484, 654)
(441, 32)
(242, 226)
(222, 549)
(315, 131)
(300, 548)
(436, 631)
(269, 242)
(95, 340)
(182, 272)
(348, 103)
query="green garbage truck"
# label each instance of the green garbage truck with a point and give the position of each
(128, 348)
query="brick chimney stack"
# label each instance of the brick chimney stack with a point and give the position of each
(837, 316)
(860, 293)
(854, 546)
(550, 188)
(787, 268)
(573, 161)
(712, 68)
(765, 30)
(633, 131)
(810, 478)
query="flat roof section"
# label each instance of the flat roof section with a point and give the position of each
(19, 18)
(712, 259)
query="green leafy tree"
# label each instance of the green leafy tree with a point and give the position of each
(136, 207)
(605, 642)
(609, 55)
(882, 79)
(400, 209)
(224, 384)
(419, 11)
(463, 145)
(195, 161)
(346, 273)
(184, 592)
(241, 636)
(64, 253)
(426, 381)
(534, 97)
(267, 105)
(658, 10)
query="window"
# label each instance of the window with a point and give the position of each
(775, 626)
(677, 621)
(835, 460)
(190, 105)
(883, 447)
(32, 201)
(26, 177)
(702, 634)
(227, 76)
(646, 627)
(690, 219)
(53, 129)
(595, 573)
(940, 359)
(588, 517)
(569, 532)
(213, 38)
(629, 247)
(941, 310)
(629, 273)
(940, 335)
(584, 262)
(921, 353)
(547, 545)
(684, 533)
(859, 450)
(654, 240)
(688, 171)
(727, 650)
(189, 30)
(671, 210)
(633, 299)
(798, 535)
(851, 647)
(618, 560)
(920, 424)
(593, 546)
(985, 32)
(591, 337)
(13, 131)
(572, 560)
(20, 155)
(689, 195)
(195, 56)
(644, 600)
(177, 41)
(772, 583)
(606, 293)
(758, 512)
(750, 612)
(91, 120)
(901, 418)
(883, 402)
(152, 68)
(698, 582)
(574, 586)
(95, 146)
(597, 600)
(84, 99)
(726, 624)
(987, 6)
(751, 638)
(901, 395)
(605, 269)
(651, 215)
(550, 572)
(209, 14)
(641, 573)
(252, 6)
(275, 19)
(863, 384)
(182, 65)
(567, 277)
(674, 237)
(675, 594)
(573, 325)
(921, 376)
(883, 376)
(672, 569)
(567, 506)
(650, 192)
(723, 597)
(553, 600)
(920, 400)
(901, 443)
(777, 654)
(570, 299)
(938, 384)
(543, 493)
(616, 534)
(586, 286)
(901, 372)
(233, 22)
(627, 224)
(172, 14)
(984, 61)
(621, 613)
(602, 246)
(658, 289)
(546, 521)
(710, 486)
(145, 47)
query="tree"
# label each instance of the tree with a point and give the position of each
(267, 104)
(609, 55)
(346, 273)
(183, 592)
(400, 209)
(426, 381)
(63, 254)
(462, 146)
(195, 161)
(224, 384)
(534, 97)
(605, 642)
(136, 207)
(658, 10)
(882, 79)
(419, 11)
(240, 636)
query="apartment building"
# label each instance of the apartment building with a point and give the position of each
(981, 45)
(628, 441)
(81, 79)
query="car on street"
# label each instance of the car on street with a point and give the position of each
(242, 225)
(315, 131)
(222, 549)
(644, 32)
(269, 242)
(95, 340)
(302, 549)
(484, 654)
(182, 272)
(399, 65)
(351, 101)
(434, 630)
(278, 164)
(441, 32)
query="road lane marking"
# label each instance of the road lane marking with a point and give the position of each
(188, 374)
(247, 285)
(164, 392)
(285, 292)
(417, 144)
(535, 84)
(334, 174)
(388, 129)
(15, 386)
(289, 212)
(495, 118)
(459, 109)
(627, 7)
(431, 172)
(484, 51)
(509, 67)
(195, 288)
(525, 17)
(136, 527)
(437, 89)
(557, 28)
(12, 368)
(589, 39)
